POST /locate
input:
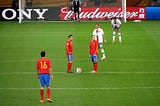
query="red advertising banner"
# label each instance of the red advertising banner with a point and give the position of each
(132, 13)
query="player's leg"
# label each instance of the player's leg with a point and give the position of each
(95, 63)
(76, 16)
(69, 66)
(94, 59)
(42, 83)
(76, 13)
(119, 35)
(102, 51)
(47, 80)
(114, 35)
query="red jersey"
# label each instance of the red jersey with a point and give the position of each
(43, 66)
(69, 47)
(93, 47)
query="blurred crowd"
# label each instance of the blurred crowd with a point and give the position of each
(88, 3)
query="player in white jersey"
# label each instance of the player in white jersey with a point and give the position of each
(99, 36)
(116, 24)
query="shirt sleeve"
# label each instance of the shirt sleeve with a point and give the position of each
(112, 22)
(102, 31)
(120, 22)
(94, 32)
(49, 64)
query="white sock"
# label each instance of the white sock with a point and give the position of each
(120, 39)
(119, 34)
(113, 38)
(114, 32)
(103, 54)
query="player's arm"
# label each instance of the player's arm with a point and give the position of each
(119, 22)
(104, 38)
(94, 32)
(50, 70)
(112, 23)
(96, 50)
(38, 73)
(67, 48)
(51, 74)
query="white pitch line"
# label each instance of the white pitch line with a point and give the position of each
(33, 73)
(103, 88)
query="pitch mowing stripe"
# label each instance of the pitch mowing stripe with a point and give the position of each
(46, 34)
(128, 60)
(103, 88)
(33, 73)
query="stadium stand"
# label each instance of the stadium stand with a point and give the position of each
(5, 3)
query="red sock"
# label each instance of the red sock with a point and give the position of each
(69, 67)
(48, 93)
(42, 94)
(95, 65)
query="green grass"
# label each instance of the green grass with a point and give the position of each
(130, 76)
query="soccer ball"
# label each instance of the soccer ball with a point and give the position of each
(78, 70)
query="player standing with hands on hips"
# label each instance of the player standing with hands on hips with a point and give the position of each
(116, 24)
(94, 53)
(76, 5)
(99, 36)
(44, 71)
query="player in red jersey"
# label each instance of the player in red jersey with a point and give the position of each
(69, 53)
(44, 71)
(94, 53)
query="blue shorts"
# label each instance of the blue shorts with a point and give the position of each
(70, 57)
(94, 58)
(44, 80)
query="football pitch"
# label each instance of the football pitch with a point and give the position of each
(129, 76)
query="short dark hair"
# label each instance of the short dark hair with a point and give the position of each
(114, 17)
(43, 53)
(97, 23)
(69, 36)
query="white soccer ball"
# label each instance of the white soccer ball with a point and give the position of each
(78, 70)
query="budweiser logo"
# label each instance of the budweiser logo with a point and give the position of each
(98, 13)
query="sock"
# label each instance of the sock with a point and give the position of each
(119, 33)
(113, 38)
(69, 67)
(114, 33)
(103, 54)
(120, 39)
(42, 94)
(95, 65)
(48, 93)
